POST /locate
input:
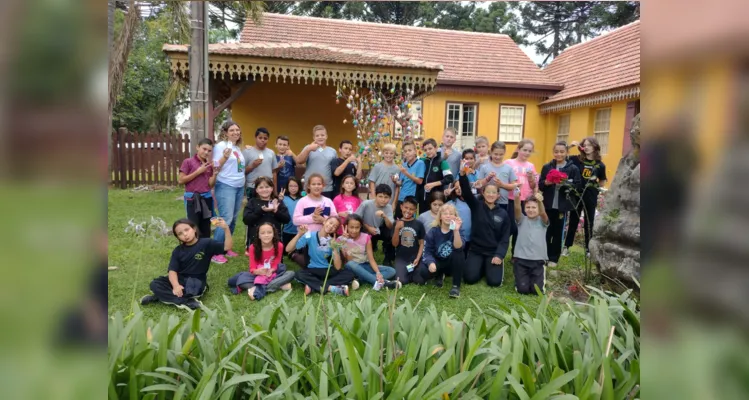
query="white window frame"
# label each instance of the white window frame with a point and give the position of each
(602, 127)
(461, 107)
(505, 124)
(563, 128)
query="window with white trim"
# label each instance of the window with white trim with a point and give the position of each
(563, 129)
(462, 117)
(601, 127)
(511, 120)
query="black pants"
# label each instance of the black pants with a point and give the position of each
(528, 275)
(204, 224)
(162, 289)
(513, 223)
(554, 234)
(589, 206)
(405, 277)
(453, 264)
(386, 236)
(314, 277)
(478, 265)
(286, 238)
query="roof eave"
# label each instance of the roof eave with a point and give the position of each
(533, 86)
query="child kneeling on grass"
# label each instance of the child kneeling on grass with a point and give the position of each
(443, 249)
(267, 273)
(360, 259)
(530, 253)
(319, 273)
(188, 267)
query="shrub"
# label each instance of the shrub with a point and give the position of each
(381, 351)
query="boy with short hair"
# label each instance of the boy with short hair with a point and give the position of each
(437, 174)
(286, 163)
(318, 156)
(411, 175)
(408, 241)
(448, 153)
(384, 172)
(377, 214)
(469, 162)
(482, 151)
(261, 161)
(347, 164)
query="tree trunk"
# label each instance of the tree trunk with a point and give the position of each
(110, 35)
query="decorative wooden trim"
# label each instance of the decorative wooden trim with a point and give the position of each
(490, 91)
(470, 103)
(631, 92)
(499, 121)
(245, 67)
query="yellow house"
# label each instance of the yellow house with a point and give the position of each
(601, 93)
(285, 71)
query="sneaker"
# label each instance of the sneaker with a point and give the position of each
(354, 285)
(438, 282)
(341, 290)
(219, 259)
(565, 252)
(190, 304)
(551, 264)
(148, 299)
(455, 292)
(393, 284)
(286, 287)
(231, 253)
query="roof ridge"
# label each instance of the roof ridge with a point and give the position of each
(603, 35)
(347, 21)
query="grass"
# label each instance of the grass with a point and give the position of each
(140, 259)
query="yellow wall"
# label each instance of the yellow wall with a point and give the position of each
(581, 126)
(434, 108)
(292, 110)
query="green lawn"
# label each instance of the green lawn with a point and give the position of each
(140, 259)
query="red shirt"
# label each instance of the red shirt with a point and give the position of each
(200, 183)
(269, 257)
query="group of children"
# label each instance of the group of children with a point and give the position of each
(449, 213)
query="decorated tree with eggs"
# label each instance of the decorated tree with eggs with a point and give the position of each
(381, 116)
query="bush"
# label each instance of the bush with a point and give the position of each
(378, 351)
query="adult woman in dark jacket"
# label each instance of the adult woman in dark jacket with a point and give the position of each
(558, 199)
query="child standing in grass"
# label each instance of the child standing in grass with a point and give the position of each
(482, 151)
(469, 159)
(188, 268)
(266, 253)
(526, 173)
(199, 176)
(384, 172)
(408, 240)
(436, 200)
(411, 175)
(348, 201)
(496, 170)
(530, 254)
(345, 165)
(264, 207)
(443, 250)
(359, 257)
(377, 215)
(437, 174)
(290, 197)
(320, 276)
(286, 165)
(319, 157)
(261, 161)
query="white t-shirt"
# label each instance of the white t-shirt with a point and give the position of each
(232, 173)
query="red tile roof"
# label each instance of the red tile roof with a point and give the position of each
(311, 52)
(607, 62)
(468, 58)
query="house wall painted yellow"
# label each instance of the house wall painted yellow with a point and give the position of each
(581, 126)
(434, 108)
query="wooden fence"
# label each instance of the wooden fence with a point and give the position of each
(147, 158)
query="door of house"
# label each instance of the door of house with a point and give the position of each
(462, 117)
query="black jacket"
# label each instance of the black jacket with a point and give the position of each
(490, 227)
(435, 170)
(254, 215)
(567, 196)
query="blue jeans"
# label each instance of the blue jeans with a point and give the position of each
(365, 272)
(228, 202)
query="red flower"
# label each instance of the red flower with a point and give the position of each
(556, 177)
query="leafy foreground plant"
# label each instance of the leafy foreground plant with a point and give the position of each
(589, 351)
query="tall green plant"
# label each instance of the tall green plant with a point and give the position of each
(589, 351)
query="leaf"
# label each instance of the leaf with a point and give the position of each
(160, 387)
(236, 380)
(555, 385)
(431, 375)
(518, 388)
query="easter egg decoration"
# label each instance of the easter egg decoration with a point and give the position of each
(348, 105)
(344, 121)
(392, 90)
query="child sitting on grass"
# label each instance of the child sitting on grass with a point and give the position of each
(263, 207)
(348, 201)
(266, 253)
(530, 253)
(319, 277)
(188, 267)
(360, 259)
(408, 240)
(443, 250)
